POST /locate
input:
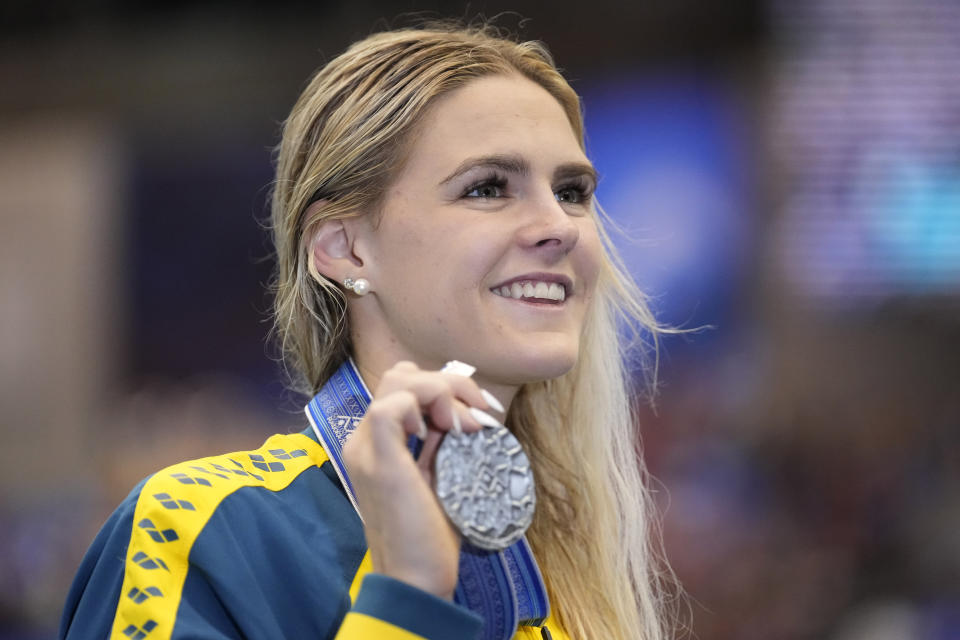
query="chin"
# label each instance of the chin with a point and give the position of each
(533, 365)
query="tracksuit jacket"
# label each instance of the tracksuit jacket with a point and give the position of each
(259, 545)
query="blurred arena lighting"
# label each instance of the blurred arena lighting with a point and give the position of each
(866, 127)
(671, 149)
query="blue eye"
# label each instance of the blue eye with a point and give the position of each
(489, 187)
(485, 190)
(573, 194)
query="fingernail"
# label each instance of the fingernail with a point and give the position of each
(492, 400)
(459, 368)
(422, 434)
(483, 417)
(457, 427)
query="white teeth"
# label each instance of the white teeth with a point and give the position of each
(539, 290)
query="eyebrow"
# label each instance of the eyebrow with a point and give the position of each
(517, 165)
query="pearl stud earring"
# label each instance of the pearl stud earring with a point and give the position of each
(360, 286)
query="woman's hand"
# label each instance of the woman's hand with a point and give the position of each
(409, 536)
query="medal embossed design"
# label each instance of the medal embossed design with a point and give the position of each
(485, 484)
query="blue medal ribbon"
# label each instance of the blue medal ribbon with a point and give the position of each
(505, 587)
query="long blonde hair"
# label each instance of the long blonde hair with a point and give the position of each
(594, 533)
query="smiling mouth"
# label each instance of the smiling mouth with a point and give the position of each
(533, 291)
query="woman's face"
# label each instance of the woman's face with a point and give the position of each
(485, 249)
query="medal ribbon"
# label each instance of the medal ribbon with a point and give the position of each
(504, 587)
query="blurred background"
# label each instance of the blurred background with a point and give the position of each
(787, 173)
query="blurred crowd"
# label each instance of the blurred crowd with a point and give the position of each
(822, 503)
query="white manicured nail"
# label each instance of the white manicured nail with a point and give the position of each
(457, 427)
(492, 400)
(483, 417)
(459, 368)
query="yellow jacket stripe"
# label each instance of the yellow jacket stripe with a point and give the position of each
(173, 509)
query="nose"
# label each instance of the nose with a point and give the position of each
(548, 229)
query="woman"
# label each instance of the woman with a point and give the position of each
(433, 202)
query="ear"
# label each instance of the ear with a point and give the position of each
(331, 251)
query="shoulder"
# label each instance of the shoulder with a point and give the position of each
(272, 467)
(178, 504)
(185, 497)
(204, 528)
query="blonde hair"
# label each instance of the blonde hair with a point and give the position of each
(594, 533)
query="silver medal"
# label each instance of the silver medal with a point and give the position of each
(485, 484)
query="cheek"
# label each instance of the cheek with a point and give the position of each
(409, 252)
(589, 257)
(468, 257)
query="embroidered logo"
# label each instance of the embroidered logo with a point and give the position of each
(260, 463)
(240, 471)
(170, 503)
(139, 633)
(149, 563)
(139, 596)
(212, 473)
(167, 535)
(281, 454)
(183, 478)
